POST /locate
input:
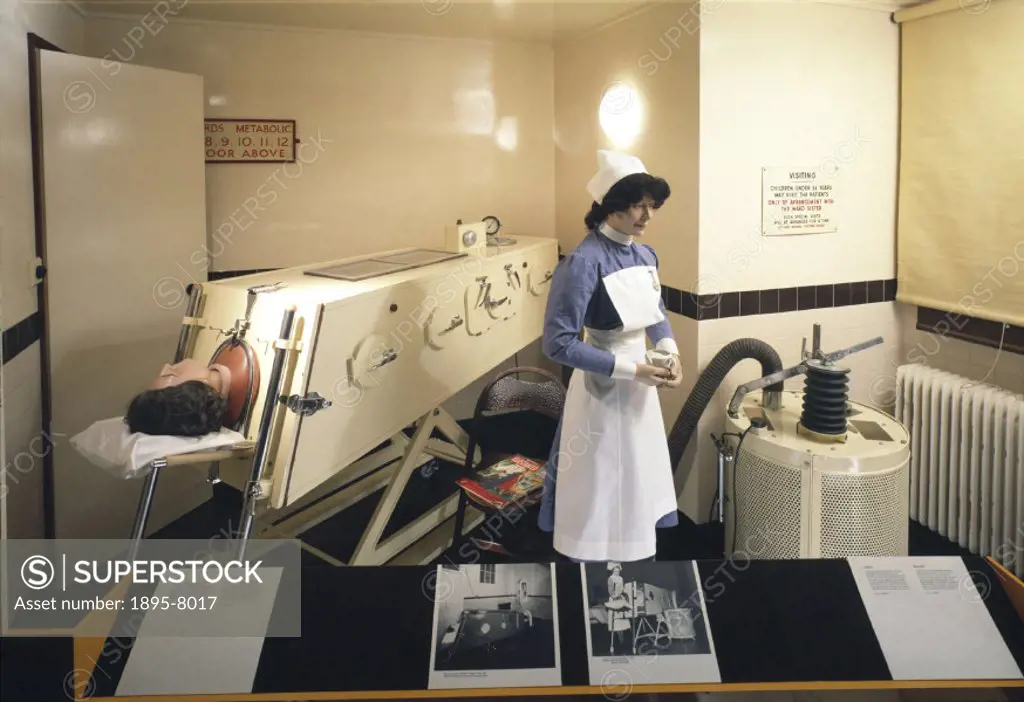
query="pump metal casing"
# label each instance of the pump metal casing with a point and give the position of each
(791, 494)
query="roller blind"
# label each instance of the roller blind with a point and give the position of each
(960, 232)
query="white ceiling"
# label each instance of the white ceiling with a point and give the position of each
(525, 20)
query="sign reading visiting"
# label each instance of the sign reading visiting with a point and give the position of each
(797, 201)
(250, 140)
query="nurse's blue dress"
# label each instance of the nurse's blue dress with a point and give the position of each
(620, 487)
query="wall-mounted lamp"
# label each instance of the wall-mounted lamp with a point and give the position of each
(621, 114)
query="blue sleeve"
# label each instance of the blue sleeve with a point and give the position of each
(572, 287)
(660, 333)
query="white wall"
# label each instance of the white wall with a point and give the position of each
(793, 84)
(62, 26)
(797, 84)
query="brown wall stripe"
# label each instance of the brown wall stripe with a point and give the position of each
(971, 329)
(757, 302)
(19, 337)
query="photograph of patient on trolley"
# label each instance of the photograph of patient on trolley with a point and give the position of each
(495, 618)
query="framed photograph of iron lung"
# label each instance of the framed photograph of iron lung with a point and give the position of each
(646, 623)
(495, 625)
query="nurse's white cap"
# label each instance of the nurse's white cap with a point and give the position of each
(612, 166)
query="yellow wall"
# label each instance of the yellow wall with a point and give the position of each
(649, 108)
(403, 135)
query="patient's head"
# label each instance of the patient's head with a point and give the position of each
(216, 376)
(186, 399)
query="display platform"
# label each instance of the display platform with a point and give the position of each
(408, 632)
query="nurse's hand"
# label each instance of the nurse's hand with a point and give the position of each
(654, 376)
(676, 377)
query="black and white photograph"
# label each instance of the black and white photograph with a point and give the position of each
(647, 620)
(495, 625)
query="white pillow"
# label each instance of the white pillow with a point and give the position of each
(109, 445)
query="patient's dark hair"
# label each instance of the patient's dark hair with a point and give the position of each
(629, 191)
(190, 409)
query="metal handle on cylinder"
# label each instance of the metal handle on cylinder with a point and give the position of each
(456, 322)
(388, 356)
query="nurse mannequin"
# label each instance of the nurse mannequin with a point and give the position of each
(610, 459)
(616, 603)
(187, 399)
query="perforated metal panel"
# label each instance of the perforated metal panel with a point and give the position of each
(862, 514)
(796, 495)
(768, 503)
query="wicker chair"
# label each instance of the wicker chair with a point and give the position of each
(507, 393)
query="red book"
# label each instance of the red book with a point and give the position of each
(513, 480)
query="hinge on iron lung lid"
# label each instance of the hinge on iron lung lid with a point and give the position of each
(311, 403)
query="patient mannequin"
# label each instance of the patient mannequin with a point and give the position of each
(188, 398)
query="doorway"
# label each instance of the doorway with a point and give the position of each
(120, 212)
(38, 329)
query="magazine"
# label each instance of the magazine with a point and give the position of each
(513, 480)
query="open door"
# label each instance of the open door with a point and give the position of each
(124, 232)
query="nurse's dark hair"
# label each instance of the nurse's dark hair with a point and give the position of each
(190, 409)
(628, 192)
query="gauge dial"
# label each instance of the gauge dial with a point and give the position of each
(493, 224)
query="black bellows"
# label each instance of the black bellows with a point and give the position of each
(708, 382)
(825, 396)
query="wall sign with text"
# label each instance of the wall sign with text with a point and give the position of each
(797, 201)
(250, 141)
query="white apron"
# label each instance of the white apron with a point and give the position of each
(613, 471)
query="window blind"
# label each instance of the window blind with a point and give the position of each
(960, 226)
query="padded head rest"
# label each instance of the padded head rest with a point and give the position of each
(237, 356)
